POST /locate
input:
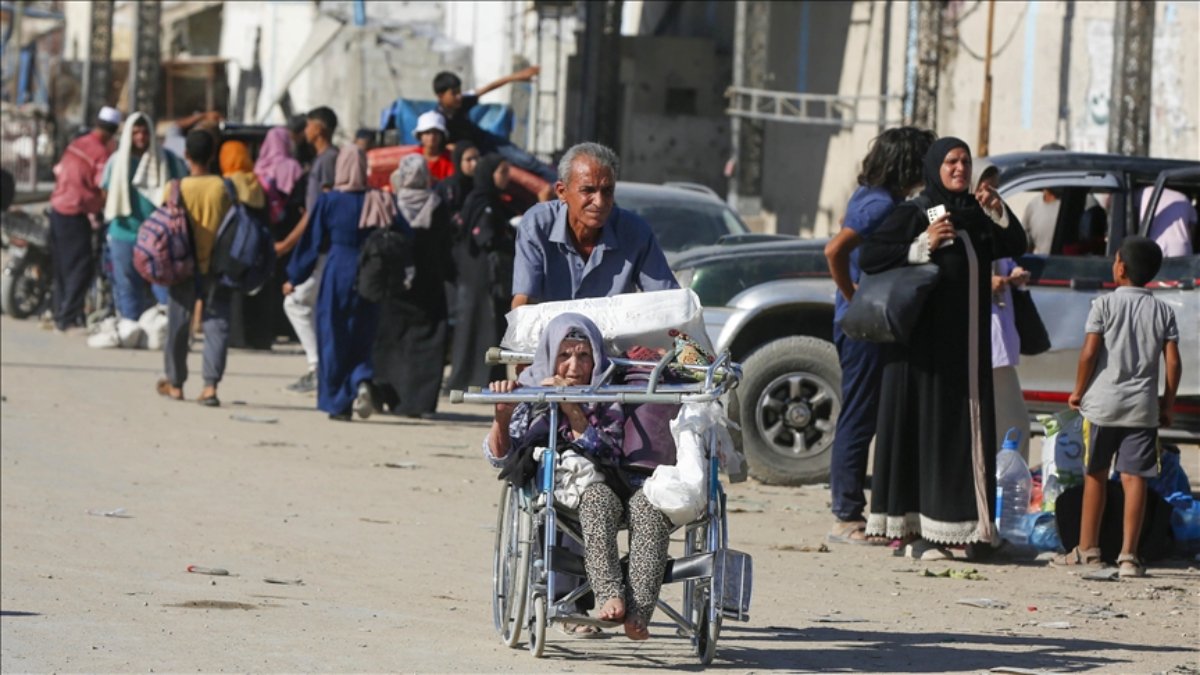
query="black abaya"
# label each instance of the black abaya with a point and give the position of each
(410, 342)
(935, 454)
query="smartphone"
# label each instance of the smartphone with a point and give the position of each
(935, 213)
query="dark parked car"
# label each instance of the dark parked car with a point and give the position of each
(771, 305)
(683, 215)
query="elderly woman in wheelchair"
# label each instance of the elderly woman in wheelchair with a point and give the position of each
(571, 353)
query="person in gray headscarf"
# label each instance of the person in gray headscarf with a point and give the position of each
(410, 342)
(571, 352)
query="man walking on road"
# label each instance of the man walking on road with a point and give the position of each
(300, 302)
(76, 202)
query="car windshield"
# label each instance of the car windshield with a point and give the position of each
(680, 225)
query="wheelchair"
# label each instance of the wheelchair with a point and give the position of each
(528, 557)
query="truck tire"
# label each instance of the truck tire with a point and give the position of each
(787, 405)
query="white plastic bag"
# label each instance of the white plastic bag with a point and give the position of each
(130, 334)
(627, 320)
(680, 491)
(104, 335)
(572, 476)
(154, 324)
(1062, 455)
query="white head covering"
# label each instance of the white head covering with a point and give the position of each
(109, 114)
(429, 121)
(153, 171)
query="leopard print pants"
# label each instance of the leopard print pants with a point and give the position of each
(600, 514)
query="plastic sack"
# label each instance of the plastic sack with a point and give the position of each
(154, 324)
(625, 321)
(1062, 455)
(680, 491)
(130, 334)
(1185, 522)
(572, 476)
(104, 335)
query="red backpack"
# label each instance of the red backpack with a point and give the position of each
(164, 254)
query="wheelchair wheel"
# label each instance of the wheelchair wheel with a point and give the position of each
(537, 627)
(510, 567)
(708, 629)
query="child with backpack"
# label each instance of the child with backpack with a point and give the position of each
(1116, 390)
(205, 201)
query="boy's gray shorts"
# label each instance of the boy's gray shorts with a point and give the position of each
(1136, 449)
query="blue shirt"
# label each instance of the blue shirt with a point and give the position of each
(549, 268)
(866, 211)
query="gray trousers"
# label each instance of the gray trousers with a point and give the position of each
(215, 319)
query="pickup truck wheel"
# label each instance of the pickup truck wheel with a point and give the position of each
(788, 404)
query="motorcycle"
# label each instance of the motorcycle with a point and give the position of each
(26, 280)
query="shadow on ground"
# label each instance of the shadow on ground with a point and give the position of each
(837, 649)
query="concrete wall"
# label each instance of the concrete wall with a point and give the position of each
(673, 123)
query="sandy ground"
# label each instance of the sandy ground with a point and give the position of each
(395, 562)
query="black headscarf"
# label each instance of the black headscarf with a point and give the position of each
(484, 192)
(455, 188)
(932, 171)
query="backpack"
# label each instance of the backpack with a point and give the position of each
(243, 256)
(385, 265)
(163, 254)
(276, 201)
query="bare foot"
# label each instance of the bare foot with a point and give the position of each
(636, 629)
(613, 610)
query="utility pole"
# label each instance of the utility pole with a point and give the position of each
(985, 110)
(145, 74)
(97, 71)
(608, 100)
(1132, 71)
(929, 58)
(751, 27)
(13, 47)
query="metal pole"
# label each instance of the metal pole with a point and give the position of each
(985, 110)
(97, 76)
(14, 48)
(146, 65)
(1063, 129)
(883, 65)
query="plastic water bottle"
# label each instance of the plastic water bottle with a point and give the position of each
(1012, 490)
(1043, 532)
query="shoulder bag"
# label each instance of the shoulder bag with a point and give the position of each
(1030, 329)
(886, 305)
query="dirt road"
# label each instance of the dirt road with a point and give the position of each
(387, 527)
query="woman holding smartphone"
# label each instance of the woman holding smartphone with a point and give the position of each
(934, 481)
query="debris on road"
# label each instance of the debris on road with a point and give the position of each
(1105, 574)
(254, 419)
(822, 548)
(285, 582)
(983, 603)
(400, 465)
(968, 573)
(114, 513)
(213, 571)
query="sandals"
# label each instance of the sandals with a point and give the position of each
(1078, 557)
(1130, 566)
(853, 532)
(163, 387)
(580, 631)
